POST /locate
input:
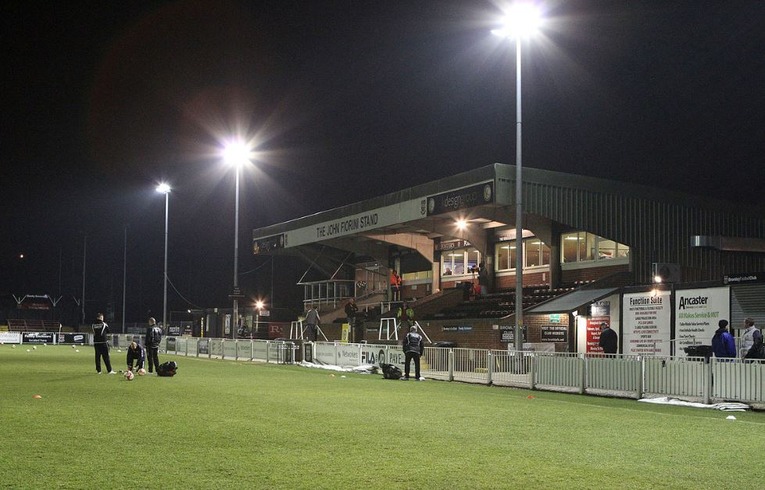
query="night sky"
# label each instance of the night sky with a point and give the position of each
(345, 100)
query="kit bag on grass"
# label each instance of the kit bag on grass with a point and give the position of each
(390, 371)
(167, 368)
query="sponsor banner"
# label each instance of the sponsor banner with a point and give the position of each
(38, 337)
(646, 328)
(554, 333)
(697, 312)
(357, 354)
(464, 198)
(744, 278)
(600, 312)
(73, 338)
(508, 333)
(457, 328)
(10, 337)
(174, 330)
(170, 344)
(203, 347)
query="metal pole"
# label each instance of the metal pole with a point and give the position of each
(124, 279)
(84, 257)
(164, 295)
(518, 203)
(235, 319)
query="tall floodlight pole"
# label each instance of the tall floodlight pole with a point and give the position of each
(523, 20)
(165, 189)
(236, 154)
(124, 279)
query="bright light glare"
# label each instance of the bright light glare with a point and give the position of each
(657, 279)
(523, 20)
(163, 188)
(461, 224)
(259, 304)
(236, 154)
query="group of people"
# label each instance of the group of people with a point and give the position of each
(136, 353)
(724, 345)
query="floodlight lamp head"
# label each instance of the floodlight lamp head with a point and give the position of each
(523, 20)
(236, 154)
(163, 188)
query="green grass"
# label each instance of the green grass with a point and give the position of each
(221, 424)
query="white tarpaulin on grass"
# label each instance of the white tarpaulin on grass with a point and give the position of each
(725, 406)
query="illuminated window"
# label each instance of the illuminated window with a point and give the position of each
(536, 253)
(585, 247)
(460, 262)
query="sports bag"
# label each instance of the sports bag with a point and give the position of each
(390, 371)
(167, 368)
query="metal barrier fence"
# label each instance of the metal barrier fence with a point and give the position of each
(689, 378)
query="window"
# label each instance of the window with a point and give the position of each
(460, 262)
(536, 254)
(583, 247)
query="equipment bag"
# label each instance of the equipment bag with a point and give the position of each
(390, 371)
(167, 368)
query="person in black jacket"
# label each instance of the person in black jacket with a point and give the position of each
(137, 354)
(152, 340)
(101, 343)
(414, 346)
(609, 340)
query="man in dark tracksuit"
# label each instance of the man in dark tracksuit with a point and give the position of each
(135, 352)
(413, 349)
(153, 338)
(101, 343)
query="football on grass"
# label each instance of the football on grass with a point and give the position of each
(129, 375)
(141, 372)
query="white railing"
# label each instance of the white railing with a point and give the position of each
(689, 378)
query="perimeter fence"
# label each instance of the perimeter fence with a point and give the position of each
(702, 379)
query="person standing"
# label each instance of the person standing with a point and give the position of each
(395, 285)
(751, 333)
(351, 308)
(312, 320)
(405, 316)
(137, 354)
(609, 340)
(101, 343)
(483, 279)
(413, 349)
(151, 341)
(723, 344)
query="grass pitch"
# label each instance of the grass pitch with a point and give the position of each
(222, 424)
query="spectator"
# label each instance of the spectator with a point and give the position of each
(748, 337)
(483, 279)
(395, 285)
(137, 354)
(351, 312)
(312, 320)
(413, 349)
(405, 315)
(609, 340)
(152, 340)
(101, 343)
(723, 344)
